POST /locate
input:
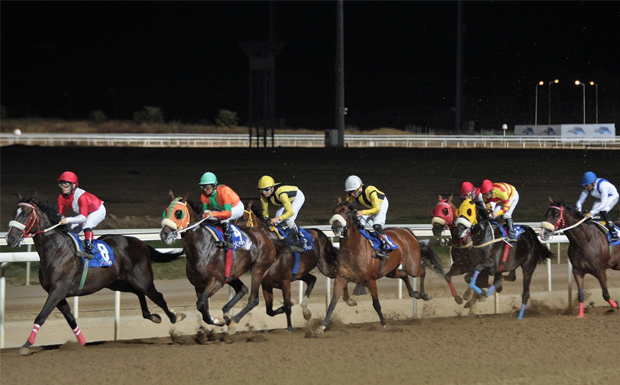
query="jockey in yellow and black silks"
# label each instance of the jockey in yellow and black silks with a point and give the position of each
(289, 198)
(375, 205)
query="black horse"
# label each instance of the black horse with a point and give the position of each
(61, 272)
(588, 251)
(494, 254)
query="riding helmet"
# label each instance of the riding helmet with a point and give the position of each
(208, 178)
(588, 178)
(466, 188)
(68, 176)
(486, 186)
(265, 181)
(352, 183)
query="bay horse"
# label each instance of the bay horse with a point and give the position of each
(588, 251)
(205, 266)
(355, 261)
(280, 273)
(62, 274)
(494, 254)
(444, 217)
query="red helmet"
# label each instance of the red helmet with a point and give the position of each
(68, 176)
(466, 188)
(486, 186)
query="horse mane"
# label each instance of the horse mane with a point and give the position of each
(571, 208)
(47, 209)
(481, 211)
(196, 206)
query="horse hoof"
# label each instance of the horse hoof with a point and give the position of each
(180, 317)
(426, 297)
(458, 300)
(467, 294)
(232, 328)
(23, 351)
(307, 314)
(219, 322)
(155, 318)
(352, 302)
(320, 330)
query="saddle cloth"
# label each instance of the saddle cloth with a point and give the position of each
(239, 239)
(373, 237)
(305, 237)
(104, 256)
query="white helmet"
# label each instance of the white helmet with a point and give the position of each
(352, 183)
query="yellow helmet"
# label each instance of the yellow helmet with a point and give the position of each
(265, 181)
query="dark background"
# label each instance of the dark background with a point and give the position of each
(66, 59)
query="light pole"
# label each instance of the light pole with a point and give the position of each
(540, 83)
(596, 90)
(578, 83)
(550, 83)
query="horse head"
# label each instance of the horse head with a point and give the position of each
(343, 218)
(443, 215)
(32, 217)
(559, 215)
(471, 213)
(176, 217)
(252, 217)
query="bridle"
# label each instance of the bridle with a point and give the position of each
(560, 224)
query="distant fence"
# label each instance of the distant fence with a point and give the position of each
(304, 140)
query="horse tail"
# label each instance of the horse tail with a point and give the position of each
(431, 259)
(542, 251)
(157, 256)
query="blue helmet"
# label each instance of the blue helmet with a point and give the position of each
(588, 178)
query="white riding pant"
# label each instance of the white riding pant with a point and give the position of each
(513, 204)
(300, 198)
(236, 212)
(378, 218)
(597, 207)
(92, 220)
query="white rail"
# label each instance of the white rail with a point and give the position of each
(305, 140)
(422, 231)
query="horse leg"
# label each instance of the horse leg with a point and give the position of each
(580, 295)
(240, 291)
(408, 286)
(602, 280)
(268, 296)
(203, 294)
(375, 301)
(422, 293)
(65, 309)
(257, 277)
(158, 299)
(310, 280)
(52, 301)
(528, 271)
(347, 298)
(340, 284)
(286, 293)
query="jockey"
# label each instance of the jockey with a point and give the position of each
(290, 198)
(376, 204)
(468, 191)
(220, 202)
(90, 209)
(607, 197)
(505, 197)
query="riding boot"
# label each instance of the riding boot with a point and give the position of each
(610, 226)
(227, 236)
(511, 230)
(297, 243)
(383, 249)
(88, 246)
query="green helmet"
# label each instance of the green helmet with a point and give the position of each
(208, 178)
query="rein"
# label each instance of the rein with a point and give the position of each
(33, 221)
(561, 221)
(192, 226)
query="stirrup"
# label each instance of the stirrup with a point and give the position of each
(297, 247)
(85, 255)
(381, 254)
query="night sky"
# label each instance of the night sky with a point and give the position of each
(66, 59)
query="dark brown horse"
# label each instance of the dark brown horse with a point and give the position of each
(280, 273)
(494, 254)
(444, 217)
(357, 264)
(61, 272)
(588, 251)
(206, 261)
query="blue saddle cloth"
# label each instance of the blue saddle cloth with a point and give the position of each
(373, 237)
(609, 237)
(517, 228)
(104, 256)
(305, 237)
(239, 239)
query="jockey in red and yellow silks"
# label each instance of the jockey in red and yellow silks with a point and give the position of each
(505, 197)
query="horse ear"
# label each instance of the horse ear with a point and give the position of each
(439, 198)
(185, 197)
(171, 195)
(249, 206)
(19, 197)
(338, 201)
(550, 200)
(450, 199)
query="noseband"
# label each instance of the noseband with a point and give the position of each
(560, 224)
(32, 224)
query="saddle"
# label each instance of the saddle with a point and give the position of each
(239, 239)
(374, 240)
(103, 254)
(305, 236)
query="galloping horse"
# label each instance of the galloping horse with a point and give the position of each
(355, 261)
(280, 273)
(205, 266)
(589, 251)
(494, 254)
(62, 274)
(445, 215)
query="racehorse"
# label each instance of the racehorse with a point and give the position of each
(355, 261)
(445, 215)
(588, 250)
(205, 266)
(280, 273)
(494, 254)
(63, 275)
